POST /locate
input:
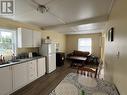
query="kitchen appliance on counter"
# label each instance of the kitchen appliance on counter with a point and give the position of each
(22, 56)
(27, 55)
(30, 54)
(49, 50)
(35, 54)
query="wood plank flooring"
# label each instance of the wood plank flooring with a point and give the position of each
(45, 84)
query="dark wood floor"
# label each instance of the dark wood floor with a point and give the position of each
(45, 84)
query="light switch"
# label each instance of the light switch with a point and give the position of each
(118, 55)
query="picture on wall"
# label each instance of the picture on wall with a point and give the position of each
(111, 35)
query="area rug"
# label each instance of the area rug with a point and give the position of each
(73, 84)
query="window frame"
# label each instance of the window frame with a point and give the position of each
(85, 45)
(14, 35)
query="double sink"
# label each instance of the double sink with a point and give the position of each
(14, 61)
(17, 61)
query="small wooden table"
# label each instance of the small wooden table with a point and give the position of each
(77, 60)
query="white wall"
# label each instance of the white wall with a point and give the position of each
(56, 38)
(116, 68)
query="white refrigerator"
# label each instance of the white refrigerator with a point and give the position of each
(49, 50)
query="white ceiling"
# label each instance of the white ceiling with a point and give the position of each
(81, 29)
(67, 13)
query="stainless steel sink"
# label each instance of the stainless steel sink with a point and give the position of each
(17, 60)
(5, 63)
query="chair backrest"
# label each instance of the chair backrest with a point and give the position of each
(86, 71)
(99, 68)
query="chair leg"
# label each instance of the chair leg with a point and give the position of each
(91, 75)
(77, 72)
(87, 74)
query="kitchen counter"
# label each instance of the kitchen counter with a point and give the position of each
(20, 61)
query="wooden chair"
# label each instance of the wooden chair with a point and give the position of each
(99, 69)
(86, 71)
(91, 71)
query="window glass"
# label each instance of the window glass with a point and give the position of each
(85, 44)
(7, 42)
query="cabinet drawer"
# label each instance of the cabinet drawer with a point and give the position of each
(32, 69)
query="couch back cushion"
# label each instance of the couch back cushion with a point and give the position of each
(80, 53)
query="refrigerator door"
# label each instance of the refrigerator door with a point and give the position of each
(43, 50)
(51, 63)
(51, 48)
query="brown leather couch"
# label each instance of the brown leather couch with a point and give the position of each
(85, 57)
(77, 58)
(76, 53)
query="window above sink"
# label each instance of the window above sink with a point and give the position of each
(7, 42)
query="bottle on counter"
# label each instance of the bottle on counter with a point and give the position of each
(1, 59)
(13, 57)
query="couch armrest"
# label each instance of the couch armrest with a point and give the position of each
(70, 54)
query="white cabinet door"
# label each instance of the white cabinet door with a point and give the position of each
(36, 39)
(20, 75)
(32, 67)
(25, 38)
(41, 67)
(5, 80)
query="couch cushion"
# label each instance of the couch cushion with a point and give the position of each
(80, 53)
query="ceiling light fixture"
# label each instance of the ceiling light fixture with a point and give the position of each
(42, 8)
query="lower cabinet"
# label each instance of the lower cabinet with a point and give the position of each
(20, 75)
(41, 69)
(32, 70)
(14, 77)
(5, 80)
